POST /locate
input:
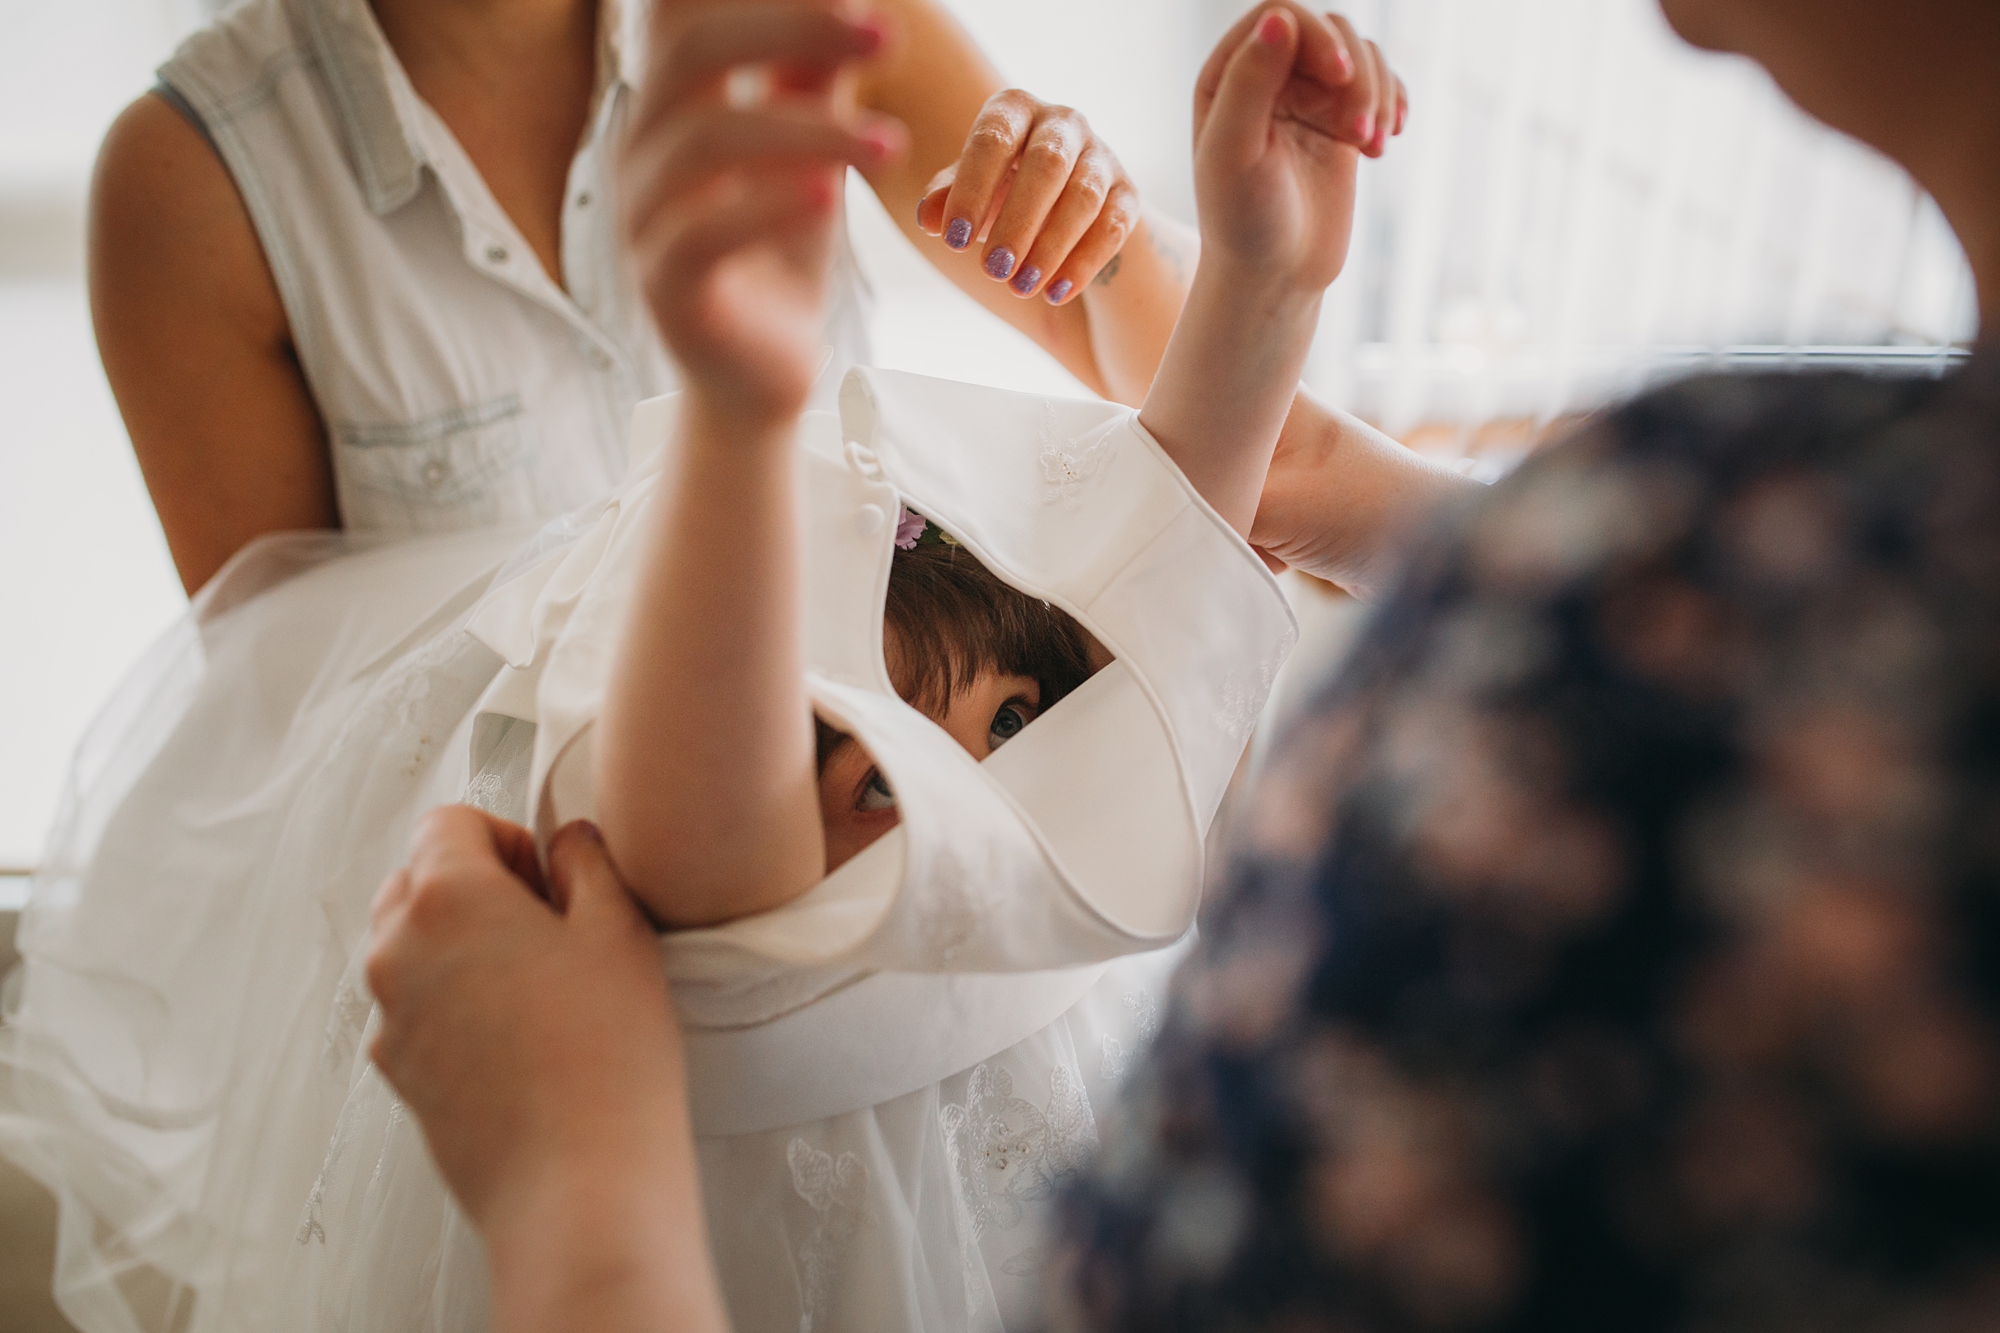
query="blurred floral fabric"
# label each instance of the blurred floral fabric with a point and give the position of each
(1617, 947)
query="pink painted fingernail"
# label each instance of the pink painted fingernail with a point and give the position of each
(1271, 31)
(959, 234)
(1000, 263)
(1058, 290)
(1364, 127)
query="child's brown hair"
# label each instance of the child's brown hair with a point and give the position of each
(949, 618)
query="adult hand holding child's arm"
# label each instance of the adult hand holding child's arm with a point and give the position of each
(529, 1028)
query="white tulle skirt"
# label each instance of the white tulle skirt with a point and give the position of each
(183, 1052)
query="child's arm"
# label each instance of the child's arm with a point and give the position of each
(1276, 198)
(705, 765)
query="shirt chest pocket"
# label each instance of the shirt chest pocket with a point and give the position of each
(465, 468)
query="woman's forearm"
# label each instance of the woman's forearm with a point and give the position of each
(1340, 495)
(623, 1251)
(705, 777)
(1132, 305)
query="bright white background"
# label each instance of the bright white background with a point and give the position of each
(1579, 206)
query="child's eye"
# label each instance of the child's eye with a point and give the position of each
(875, 793)
(1007, 724)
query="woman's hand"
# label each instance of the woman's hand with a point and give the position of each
(1046, 198)
(731, 203)
(1275, 175)
(528, 1026)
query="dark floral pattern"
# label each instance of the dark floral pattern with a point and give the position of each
(1617, 946)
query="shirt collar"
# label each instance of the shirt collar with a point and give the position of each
(376, 106)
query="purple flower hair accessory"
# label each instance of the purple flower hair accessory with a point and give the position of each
(909, 527)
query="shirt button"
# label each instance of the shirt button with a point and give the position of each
(435, 472)
(600, 358)
(496, 254)
(583, 200)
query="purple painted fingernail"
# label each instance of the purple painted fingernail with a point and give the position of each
(1057, 291)
(1000, 263)
(959, 234)
(1025, 280)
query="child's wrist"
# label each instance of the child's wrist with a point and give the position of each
(724, 420)
(1249, 286)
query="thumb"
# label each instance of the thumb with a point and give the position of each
(582, 880)
(1239, 120)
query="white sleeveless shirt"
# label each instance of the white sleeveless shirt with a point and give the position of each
(460, 384)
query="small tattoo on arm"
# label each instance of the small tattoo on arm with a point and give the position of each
(1109, 271)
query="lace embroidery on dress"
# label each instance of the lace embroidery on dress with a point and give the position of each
(946, 919)
(1243, 702)
(1118, 1061)
(351, 1007)
(401, 703)
(1065, 469)
(837, 1191)
(311, 1227)
(398, 1113)
(1007, 1151)
(488, 792)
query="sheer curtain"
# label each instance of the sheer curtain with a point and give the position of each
(1582, 204)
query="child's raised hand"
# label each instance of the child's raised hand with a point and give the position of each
(1284, 108)
(730, 201)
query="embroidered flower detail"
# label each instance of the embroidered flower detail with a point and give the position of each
(1117, 1060)
(1243, 702)
(837, 1191)
(1066, 468)
(351, 1007)
(1007, 1151)
(487, 791)
(908, 529)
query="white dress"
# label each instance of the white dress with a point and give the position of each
(889, 1075)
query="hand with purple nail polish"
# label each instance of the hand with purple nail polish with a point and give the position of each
(1048, 199)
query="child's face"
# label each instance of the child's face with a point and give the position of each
(856, 806)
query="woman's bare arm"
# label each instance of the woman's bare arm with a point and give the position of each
(936, 81)
(197, 347)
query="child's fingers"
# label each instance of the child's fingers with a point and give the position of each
(1323, 53)
(991, 148)
(1048, 166)
(698, 54)
(762, 212)
(1364, 92)
(1105, 237)
(1389, 92)
(1239, 121)
(702, 145)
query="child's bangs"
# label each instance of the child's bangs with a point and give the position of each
(951, 619)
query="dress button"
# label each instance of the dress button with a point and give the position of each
(496, 254)
(583, 200)
(435, 472)
(600, 358)
(868, 520)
